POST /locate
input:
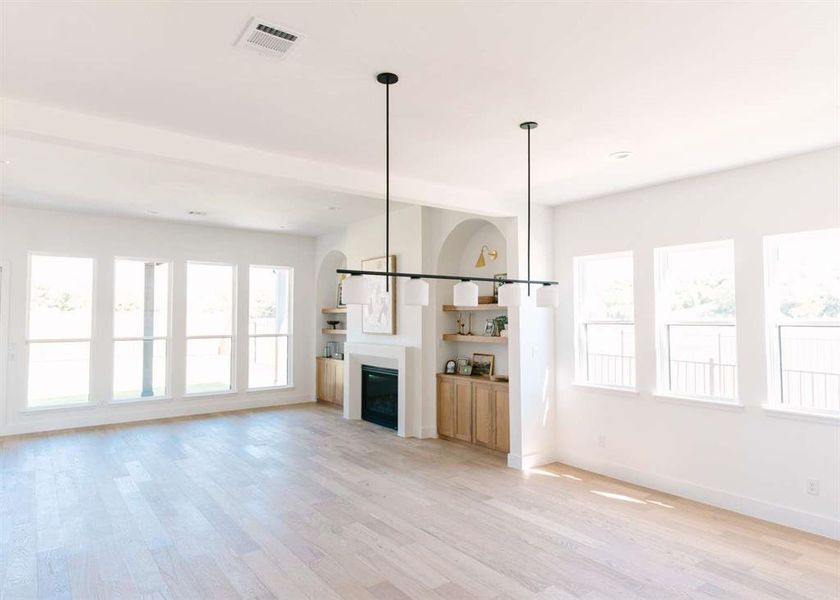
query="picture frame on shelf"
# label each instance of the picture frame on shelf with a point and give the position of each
(497, 282)
(339, 291)
(482, 364)
(489, 328)
(450, 367)
(464, 366)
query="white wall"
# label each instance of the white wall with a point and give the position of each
(23, 231)
(750, 460)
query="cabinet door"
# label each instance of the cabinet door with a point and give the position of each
(463, 411)
(502, 420)
(446, 408)
(329, 386)
(484, 415)
(320, 379)
(339, 382)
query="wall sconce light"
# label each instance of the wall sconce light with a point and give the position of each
(493, 254)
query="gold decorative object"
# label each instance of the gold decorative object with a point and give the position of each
(493, 254)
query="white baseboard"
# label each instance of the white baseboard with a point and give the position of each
(96, 415)
(782, 515)
(428, 433)
(527, 461)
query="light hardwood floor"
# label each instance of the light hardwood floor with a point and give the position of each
(298, 503)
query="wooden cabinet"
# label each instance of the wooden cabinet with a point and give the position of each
(474, 410)
(329, 380)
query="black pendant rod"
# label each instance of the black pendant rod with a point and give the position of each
(387, 79)
(528, 126)
(444, 277)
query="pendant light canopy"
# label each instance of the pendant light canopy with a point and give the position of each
(356, 289)
(510, 294)
(548, 296)
(465, 294)
(415, 292)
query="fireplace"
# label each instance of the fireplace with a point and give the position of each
(380, 396)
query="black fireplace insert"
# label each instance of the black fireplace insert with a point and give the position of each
(379, 396)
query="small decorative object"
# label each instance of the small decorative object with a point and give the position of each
(493, 254)
(482, 364)
(327, 351)
(489, 328)
(501, 325)
(332, 324)
(465, 369)
(469, 324)
(498, 277)
(339, 294)
(380, 316)
(459, 323)
(450, 366)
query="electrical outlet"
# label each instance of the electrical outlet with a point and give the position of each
(602, 441)
(814, 487)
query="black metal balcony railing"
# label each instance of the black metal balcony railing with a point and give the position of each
(809, 366)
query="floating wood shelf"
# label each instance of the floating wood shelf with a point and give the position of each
(330, 331)
(334, 311)
(480, 307)
(477, 339)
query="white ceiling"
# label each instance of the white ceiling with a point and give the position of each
(57, 176)
(688, 87)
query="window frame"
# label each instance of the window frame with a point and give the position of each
(581, 324)
(28, 341)
(233, 331)
(288, 336)
(664, 322)
(167, 338)
(774, 321)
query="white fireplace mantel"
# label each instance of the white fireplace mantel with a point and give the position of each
(375, 355)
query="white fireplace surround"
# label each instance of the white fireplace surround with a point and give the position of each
(375, 355)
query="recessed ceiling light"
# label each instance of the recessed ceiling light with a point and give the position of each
(152, 212)
(620, 155)
(332, 208)
(197, 213)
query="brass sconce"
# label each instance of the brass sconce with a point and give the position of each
(493, 254)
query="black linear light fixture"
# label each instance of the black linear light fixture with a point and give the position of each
(357, 290)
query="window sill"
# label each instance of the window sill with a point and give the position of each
(699, 402)
(58, 408)
(271, 388)
(608, 389)
(141, 400)
(199, 395)
(781, 412)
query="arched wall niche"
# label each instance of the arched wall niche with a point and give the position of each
(457, 256)
(327, 297)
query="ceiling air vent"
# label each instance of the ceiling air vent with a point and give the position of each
(262, 36)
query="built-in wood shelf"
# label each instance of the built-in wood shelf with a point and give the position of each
(334, 311)
(476, 339)
(480, 307)
(329, 331)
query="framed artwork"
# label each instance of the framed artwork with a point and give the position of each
(339, 296)
(380, 316)
(497, 282)
(489, 328)
(482, 364)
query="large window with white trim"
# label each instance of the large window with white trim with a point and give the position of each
(59, 330)
(141, 328)
(210, 327)
(802, 276)
(695, 305)
(269, 339)
(606, 340)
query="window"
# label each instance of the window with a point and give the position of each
(210, 302)
(604, 320)
(802, 276)
(60, 329)
(141, 326)
(695, 299)
(268, 327)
